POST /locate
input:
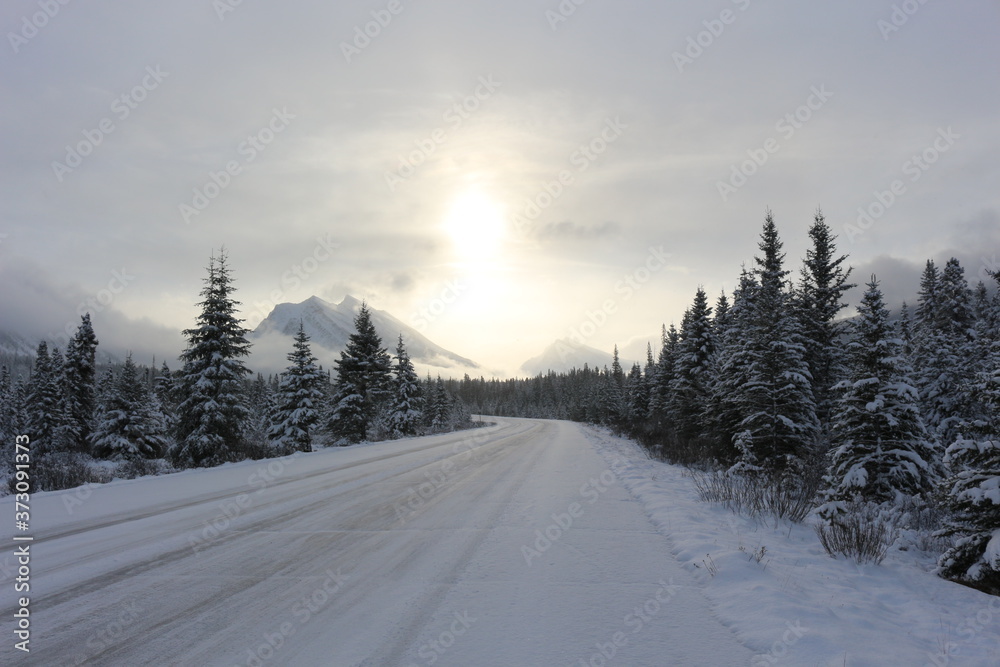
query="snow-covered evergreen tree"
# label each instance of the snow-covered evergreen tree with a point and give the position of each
(407, 402)
(730, 368)
(212, 409)
(438, 415)
(44, 400)
(131, 425)
(659, 392)
(8, 427)
(779, 427)
(881, 451)
(946, 349)
(690, 388)
(79, 384)
(974, 490)
(637, 395)
(363, 381)
(296, 405)
(819, 299)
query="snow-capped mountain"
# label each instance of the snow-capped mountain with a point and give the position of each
(564, 354)
(329, 327)
(16, 344)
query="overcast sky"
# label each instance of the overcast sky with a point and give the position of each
(399, 165)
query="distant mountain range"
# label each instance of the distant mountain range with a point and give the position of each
(564, 354)
(16, 345)
(329, 327)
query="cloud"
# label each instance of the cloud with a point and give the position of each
(38, 307)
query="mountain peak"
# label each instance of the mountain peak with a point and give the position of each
(349, 302)
(565, 354)
(330, 326)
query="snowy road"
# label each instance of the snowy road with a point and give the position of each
(512, 545)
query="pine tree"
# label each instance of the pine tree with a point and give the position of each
(779, 427)
(165, 392)
(881, 452)
(946, 348)
(44, 400)
(131, 426)
(730, 368)
(363, 381)
(296, 405)
(7, 427)
(906, 330)
(79, 385)
(212, 409)
(659, 394)
(407, 404)
(439, 408)
(690, 389)
(974, 491)
(637, 396)
(819, 300)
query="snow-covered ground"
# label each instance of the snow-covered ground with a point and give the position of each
(530, 543)
(798, 606)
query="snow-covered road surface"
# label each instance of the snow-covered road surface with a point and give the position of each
(511, 545)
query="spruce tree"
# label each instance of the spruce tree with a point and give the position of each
(945, 346)
(659, 393)
(730, 369)
(300, 394)
(637, 396)
(690, 388)
(407, 402)
(212, 409)
(79, 385)
(819, 300)
(974, 490)
(7, 427)
(131, 426)
(44, 400)
(881, 452)
(363, 381)
(295, 410)
(779, 427)
(439, 408)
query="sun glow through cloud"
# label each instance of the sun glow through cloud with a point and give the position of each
(475, 225)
